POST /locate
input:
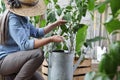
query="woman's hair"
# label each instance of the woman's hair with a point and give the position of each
(14, 3)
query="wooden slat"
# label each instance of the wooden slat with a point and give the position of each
(86, 62)
(45, 63)
(80, 71)
(78, 78)
(77, 71)
(44, 69)
(45, 76)
(74, 78)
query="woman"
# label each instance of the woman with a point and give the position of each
(20, 55)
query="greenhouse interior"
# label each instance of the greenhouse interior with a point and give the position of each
(59, 39)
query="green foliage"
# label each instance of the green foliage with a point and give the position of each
(37, 21)
(115, 6)
(73, 31)
(112, 25)
(115, 52)
(96, 76)
(108, 66)
(51, 17)
(80, 38)
(89, 42)
(2, 7)
(43, 23)
(59, 11)
(110, 61)
(47, 2)
(55, 1)
(91, 4)
(102, 6)
(118, 76)
(67, 17)
(90, 76)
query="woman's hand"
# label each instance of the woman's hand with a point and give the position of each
(50, 27)
(56, 38)
(41, 42)
(60, 21)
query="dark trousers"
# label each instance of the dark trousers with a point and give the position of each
(22, 65)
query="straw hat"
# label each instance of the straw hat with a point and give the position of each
(28, 7)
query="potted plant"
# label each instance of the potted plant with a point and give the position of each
(74, 33)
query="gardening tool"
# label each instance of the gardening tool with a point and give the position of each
(61, 66)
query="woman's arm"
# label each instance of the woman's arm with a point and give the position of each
(41, 42)
(50, 27)
(40, 32)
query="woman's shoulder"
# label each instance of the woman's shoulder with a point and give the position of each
(18, 17)
(12, 15)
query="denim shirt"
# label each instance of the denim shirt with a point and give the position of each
(20, 31)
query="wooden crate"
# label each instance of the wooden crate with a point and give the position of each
(45, 70)
(79, 73)
(82, 69)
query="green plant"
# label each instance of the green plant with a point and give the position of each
(2, 6)
(73, 31)
(108, 66)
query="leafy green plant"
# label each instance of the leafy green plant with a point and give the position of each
(109, 64)
(73, 31)
(2, 7)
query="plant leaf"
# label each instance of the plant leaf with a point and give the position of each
(112, 25)
(51, 17)
(89, 76)
(59, 11)
(115, 6)
(55, 1)
(101, 9)
(90, 41)
(80, 37)
(42, 23)
(101, 6)
(103, 68)
(67, 16)
(91, 4)
(46, 1)
(97, 38)
(114, 50)
(36, 18)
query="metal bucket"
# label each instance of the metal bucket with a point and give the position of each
(60, 65)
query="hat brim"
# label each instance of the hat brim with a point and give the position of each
(38, 9)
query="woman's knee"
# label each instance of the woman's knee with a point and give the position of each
(38, 53)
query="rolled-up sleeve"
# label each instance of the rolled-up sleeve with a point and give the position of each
(19, 35)
(41, 32)
(36, 32)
